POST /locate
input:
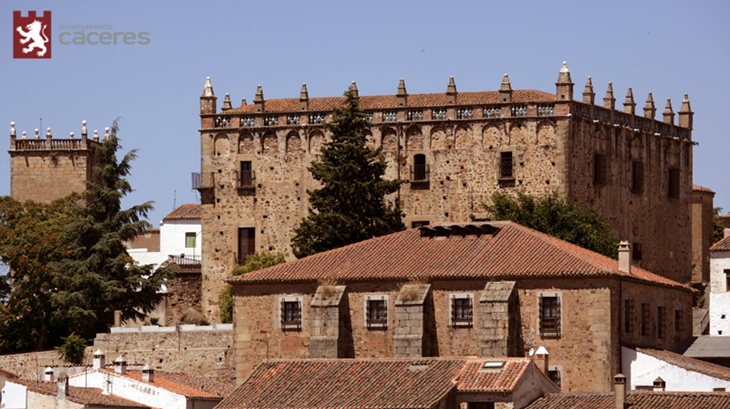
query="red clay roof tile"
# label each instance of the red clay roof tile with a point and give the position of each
(635, 400)
(84, 396)
(722, 245)
(699, 188)
(186, 211)
(186, 385)
(691, 364)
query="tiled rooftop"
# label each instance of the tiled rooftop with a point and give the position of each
(372, 102)
(699, 188)
(722, 245)
(691, 364)
(84, 396)
(635, 400)
(186, 385)
(373, 383)
(186, 211)
(513, 252)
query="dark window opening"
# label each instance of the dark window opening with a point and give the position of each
(506, 169)
(246, 244)
(420, 223)
(644, 319)
(636, 252)
(291, 314)
(550, 316)
(599, 169)
(637, 177)
(246, 176)
(727, 279)
(419, 171)
(677, 322)
(554, 375)
(462, 311)
(674, 182)
(377, 313)
(628, 316)
(661, 331)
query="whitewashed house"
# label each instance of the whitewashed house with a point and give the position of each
(650, 369)
(720, 288)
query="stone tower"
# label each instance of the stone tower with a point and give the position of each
(454, 149)
(48, 168)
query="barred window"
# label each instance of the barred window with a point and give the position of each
(420, 171)
(271, 121)
(545, 110)
(292, 119)
(376, 314)
(247, 121)
(465, 113)
(554, 375)
(317, 119)
(628, 316)
(506, 168)
(550, 316)
(727, 279)
(438, 114)
(599, 169)
(661, 331)
(519, 110)
(644, 318)
(291, 314)
(492, 112)
(415, 115)
(389, 116)
(673, 182)
(462, 310)
(637, 177)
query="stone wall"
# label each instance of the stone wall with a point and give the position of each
(702, 233)
(182, 293)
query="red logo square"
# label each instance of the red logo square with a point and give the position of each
(32, 35)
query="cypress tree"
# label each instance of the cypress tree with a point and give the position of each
(350, 206)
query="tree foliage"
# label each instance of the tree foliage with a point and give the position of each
(718, 227)
(350, 206)
(72, 349)
(553, 215)
(256, 261)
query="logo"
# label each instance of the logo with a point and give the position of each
(31, 35)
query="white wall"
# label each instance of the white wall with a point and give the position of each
(643, 369)
(719, 294)
(14, 395)
(172, 237)
(141, 392)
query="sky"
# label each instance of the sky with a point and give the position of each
(665, 47)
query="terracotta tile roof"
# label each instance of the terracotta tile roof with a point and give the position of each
(373, 383)
(513, 252)
(699, 188)
(7, 374)
(691, 364)
(635, 400)
(722, 245)
(188, 386)
(84, 396)
(186, 211)
(374, 102)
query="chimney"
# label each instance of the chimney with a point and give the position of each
(148, 374)
(685, 113)
(353, 89)
(541, 359)
(120, 365)
(62, 386)
(117, 314)
(624, 258)
(649, 107)
(99, 361)
(619, 391)
(48, 374)
(629, 104)
(659, 384)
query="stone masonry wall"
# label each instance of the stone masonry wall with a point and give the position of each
(43, 176)
(702, 221)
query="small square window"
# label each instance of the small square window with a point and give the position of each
(376, 312)
(291, 313)
(190, 240)
(462, 310)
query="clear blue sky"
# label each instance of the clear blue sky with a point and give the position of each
(665, 47)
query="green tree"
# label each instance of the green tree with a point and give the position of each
(718, 227)
(30, 238)
(97, 276)
(256, 261)
(350, 206)
(72, 349)
(558, 217)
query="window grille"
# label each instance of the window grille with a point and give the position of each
(599, 169)
(415, 115)
(629, 316)
(246, 177)
(545, 110)
(596, 114)
(246, 243)
(316, 119)
(683, 134)
(492, 112)
(389, 116)
(271, 121)
(550, 316)
(626, 120)
(661, 331)
(291, 314)
(644, 319)
(506, 167)
(247, 121)
(292, 120)
(223, 122)
(584, 110)
(519, 110)
(462, 311)
(673, 182)
(604, 116)
(646, 125)
(377, 313)
(439, 114)
(637, 177)
(465, 113)
(617, 119)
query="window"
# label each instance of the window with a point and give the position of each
(637, 177)
(376, 311)
(673, 182)
(291, 313)
(246, 243)
(727, 279)
(419, 223)
(420, 169)
(554, 374)
(246, 177)
(190, 240)
(462, 310)
(661, 331)
(506, 166)
(636, 252)
(599, 169)
(644, 318)
(677, 321)
(628, 315)
(549, 315)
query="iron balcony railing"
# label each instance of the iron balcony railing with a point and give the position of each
(186, 263)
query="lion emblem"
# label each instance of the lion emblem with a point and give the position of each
(36, 33)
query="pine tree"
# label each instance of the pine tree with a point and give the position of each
(350, 206)
(98, 276)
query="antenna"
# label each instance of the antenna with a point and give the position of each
(174, 200)
(41, 127)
